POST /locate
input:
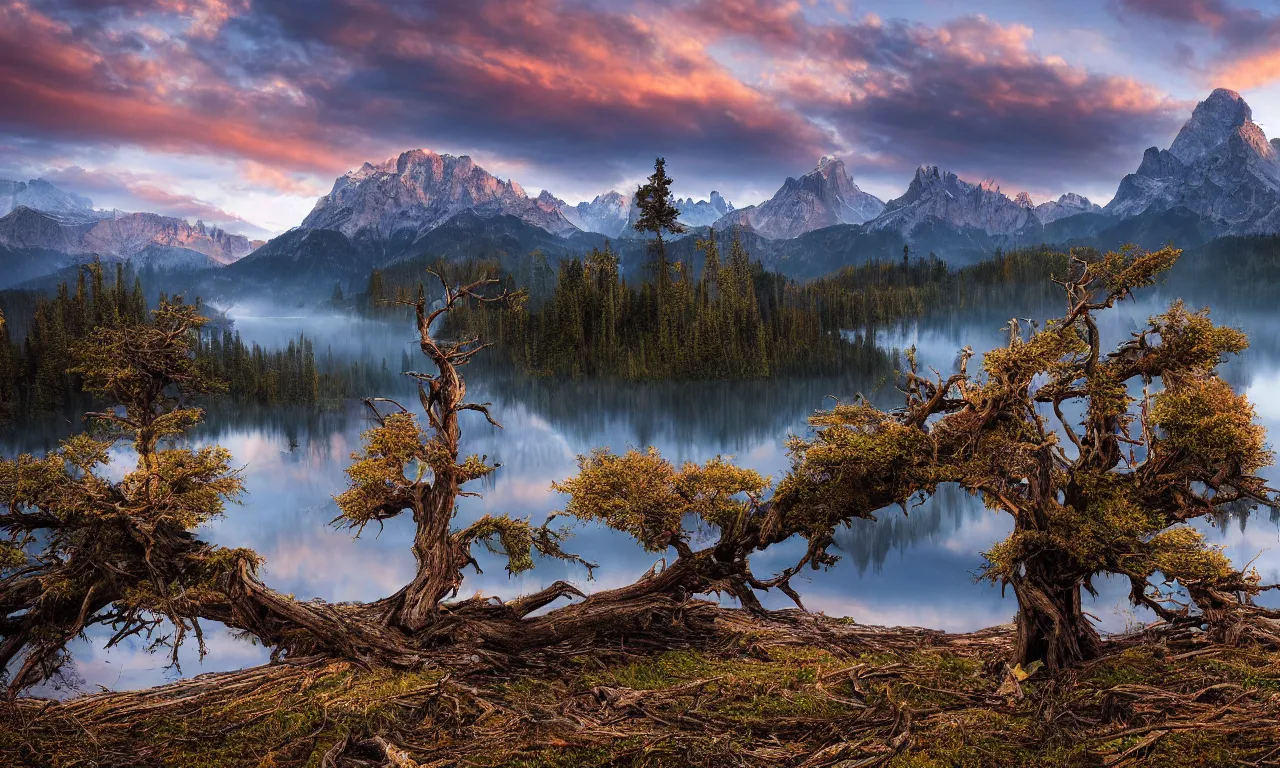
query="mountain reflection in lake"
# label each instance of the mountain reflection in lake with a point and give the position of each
(916, 568)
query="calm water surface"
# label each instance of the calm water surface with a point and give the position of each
(913, 569)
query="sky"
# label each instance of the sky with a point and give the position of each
(243, 112)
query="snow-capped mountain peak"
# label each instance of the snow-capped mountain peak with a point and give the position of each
(40, 195)
(703, 213)
(821, 198)
(419, 190)
(1069, 204)
(944, 196)
(606, 214)
(1220, 166)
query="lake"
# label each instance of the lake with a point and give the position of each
(916, 568)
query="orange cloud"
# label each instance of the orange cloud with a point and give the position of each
(1251, 72)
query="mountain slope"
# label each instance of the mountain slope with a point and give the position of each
(407, 196)
(1219, 167)
(118, 235)
(821, 198)
(40, 195)
(938, 196)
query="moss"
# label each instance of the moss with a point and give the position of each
(1134, 665)
(1192, 749)
(765, 702)
(1252, 671)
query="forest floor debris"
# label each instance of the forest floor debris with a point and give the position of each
(792, 690)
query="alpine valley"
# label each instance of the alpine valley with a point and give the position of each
(1220, 176)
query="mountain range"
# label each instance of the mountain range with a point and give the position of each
(1219, 176)
(45, 229)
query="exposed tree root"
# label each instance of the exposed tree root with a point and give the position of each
(791, 689)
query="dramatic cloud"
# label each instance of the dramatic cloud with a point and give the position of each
(971, 95)
(576, 95)
(546, 82)
(132, 191)
(1248, 40)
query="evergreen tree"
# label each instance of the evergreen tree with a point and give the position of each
(658, 214)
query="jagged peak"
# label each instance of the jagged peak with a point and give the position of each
(1212, 123)
(927, 172)
(1023, 199)
(612, 195)
(831, 166)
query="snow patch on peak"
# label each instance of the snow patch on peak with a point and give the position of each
(1069, 204)
(1220, 166)
(1212, 123)
(935, 194)
(419, 190)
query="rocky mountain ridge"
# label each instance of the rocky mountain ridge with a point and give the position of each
(409, 195)
(1220, 166)
(938, 195)
(40, 195)
(1221, 175)
(608, 214)
(1065, 206)
(824, 197)
(118, 236)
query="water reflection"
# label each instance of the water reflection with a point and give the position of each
(916, 568)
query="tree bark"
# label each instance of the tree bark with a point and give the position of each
(1052, 627)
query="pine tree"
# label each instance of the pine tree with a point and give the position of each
(658, 214)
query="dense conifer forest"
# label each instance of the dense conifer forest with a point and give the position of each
(35, 375)
(732, 320)
(735, 321)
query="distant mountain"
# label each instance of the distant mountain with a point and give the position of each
(821, 198)
(614, 214)
(395, 203)
(1220, 176)
(167, 258)
(1220, 167)
(117, 235)
(310, 260)
(607, 214)
(940, 198)
(40, 195)
(1068, 205)
(703, 213)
